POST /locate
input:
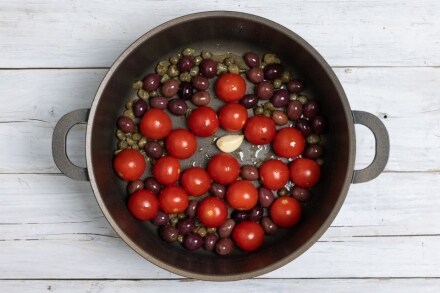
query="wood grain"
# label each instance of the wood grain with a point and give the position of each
(347, 33)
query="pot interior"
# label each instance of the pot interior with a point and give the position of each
(221, 32)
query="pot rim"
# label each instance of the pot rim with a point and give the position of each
(346, 111)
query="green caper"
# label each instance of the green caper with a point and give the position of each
(268, 106)
(153, 94)
(120, 134)
(164, 78)
(180, 238)
(303, 99)
(283, 192)
(293, 97)
(188, 52)
(181, 216)
(194, 71)
(313, 139)
(262, 65)
(228, 61)
(123, 145)
(267, 113)
(143, 94)
(201, 231)
(129, 105)
(198, 59)
(258, 110)
(233, 68)
(135, 147)
(142, 142)
(320, 161)
(130, 141)
(129, 114)
(138, 85)
(277, 83)
(162, 67)
(285, 77)
(174, 59)
(270, 58)
(206, 54)
(136, 136)
(211, 230)
(185, 76)
(117, 152)
(164, 63)
(221, 68)
(174, 221)
(173, 71)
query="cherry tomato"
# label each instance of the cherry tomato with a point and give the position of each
(248, 235)
(155, 124)
(195, 181)
(173, 199)
(129, 164)
(181, 143)
(212, 212)
(143, 205)
(166, 170)
(242, 195)
(232, 116)
(203, 121)
(223, 168)
(274, 174)
(304, 173)
(260, 130)
(285, 211)
(230, 87)
(288, 142)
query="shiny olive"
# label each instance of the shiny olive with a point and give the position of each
(279, 117)
(208, 68)
(153, 185)
(185, 91)
(170, 88)
(185, 63)
(192, 208)
(134, 186)
(226, 229)
(280, 98)
(139, 107)
(249, 172)
(169, 233)
(265, 197)
(313, 151)
(151, 82)
(301, 194)
(201, 98)
(255, 75)
(251, 59)
(264, 90)
(192, 241)
(294, 110)
(159, 102)
(161, 219)
(154, 149)
(209, 241)
(200, 82)
(125, 124)
(185, 226)
(311, 109)
(217, 190)
(256, 213)
(268, 225)
(304, 126)
(319, 125)
(295, 86)
(240, 216)
(273, 71)
(224, 246)
(178, 107)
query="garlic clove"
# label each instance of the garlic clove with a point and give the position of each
(230, 142)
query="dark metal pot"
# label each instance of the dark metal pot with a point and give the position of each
(221, 32)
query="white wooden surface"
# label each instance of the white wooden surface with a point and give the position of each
(53, 236)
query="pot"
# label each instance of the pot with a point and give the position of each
(221, 32)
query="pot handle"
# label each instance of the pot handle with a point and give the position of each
(59, 144)
(382, 150)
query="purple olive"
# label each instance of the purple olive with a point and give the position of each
(208, 68)
(200, 82)
(151, 82)
(185, 63)
(255, 75)
(159, 102)
(139, 108)
(170, 88)
(304, 126)
(192, 241)
(251, 59)
(125, 124)
(185, 91)
(280, 98)
(273, 71)
(295, 86)
(264, 90)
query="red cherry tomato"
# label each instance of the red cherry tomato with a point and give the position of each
(285, 211)
(260, 130)
(242, 195)
(166, 170)
(195, 181)
(232, 116)
(129, 164)
(212, 212)
(230, 87)
(143, 205)
(274, 174)
(173, 199)
(288, 142)
(203, 121)
(248, 236)
(181, 143)
(304, 173)
(223, 168)
(155, 124)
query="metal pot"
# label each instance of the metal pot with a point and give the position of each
(221, 32)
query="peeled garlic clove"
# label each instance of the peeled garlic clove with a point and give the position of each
(230, 142)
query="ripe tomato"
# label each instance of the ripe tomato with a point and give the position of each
(260, 130)
(230, 87)
(129, 164)
(173, 199)
(181, 143)
(212, 212)
(242, 195)
(232, 116)
(288, 142)
(166, 170)
(274, 174)
(155, 124)
(304, 173)
(195, 181)
(223, 168)
(203, 121)
(143, 205)
(248, 235)
(285, 211)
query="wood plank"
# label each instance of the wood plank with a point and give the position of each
(406, 96)
(347, 33)
(254, 285)
(51, 227)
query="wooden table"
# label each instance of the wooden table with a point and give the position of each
(53, 236)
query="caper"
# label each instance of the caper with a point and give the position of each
(285, 77)
(258, 110)
(123, 145)
(174, 221)
(198, 59)
(138, 85)
(293, 97)
(120, 134)
(173, 71)
(268, 106)
(153, 94)
(206, 54)
(185, 76)
(162, 67)
(117, 152)
(221, 68)
(142, 142)
(181, 216)
(130, 141)
(201, 231)
(129, 114)
(180, 238)
(233, 68)
(277, 83)
(174, 59)
(283, 192)
(320, 161)
(211, 230)
(313, 139)
(228, 61)
(164, 78)
(188, 52)
(267, 113)
(129, 104)
(135, 147)
(143, 94)
(303, 99)
(270, 58)
(194, 71)
(136, 136)
(262, 65)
